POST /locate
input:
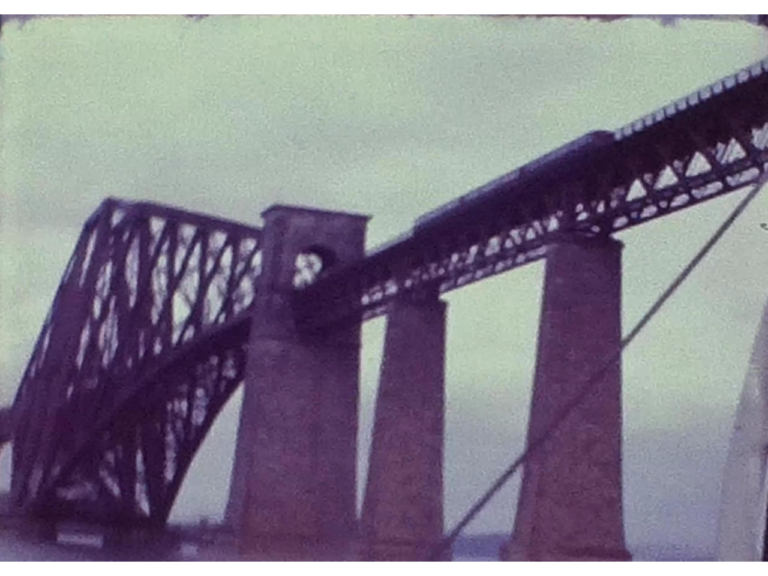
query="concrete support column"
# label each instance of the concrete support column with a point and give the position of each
(570, 503)
(402, 515)
(292, 494)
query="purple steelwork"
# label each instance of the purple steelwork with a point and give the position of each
(711, 143)
(402, 515)
(146, 338)
(121, 389)
(570, 504)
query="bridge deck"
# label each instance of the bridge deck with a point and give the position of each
(700, 147)
(144, 341)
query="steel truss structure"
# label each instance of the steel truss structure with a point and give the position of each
(710, 143)
(121, 387)
(144, 342)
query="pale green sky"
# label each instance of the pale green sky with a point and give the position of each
(391, 117)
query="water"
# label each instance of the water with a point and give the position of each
(14, 549)
(75, 549)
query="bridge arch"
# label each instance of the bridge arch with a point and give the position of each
(141, 349)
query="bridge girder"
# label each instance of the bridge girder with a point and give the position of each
(698, 148)
(121, 386)
(144, 342)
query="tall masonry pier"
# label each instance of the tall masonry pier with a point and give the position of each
(402, 516)
(293, 487)
(570, 503)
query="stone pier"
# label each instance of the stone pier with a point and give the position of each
(293, 487)
(402, 516)
(570, 503)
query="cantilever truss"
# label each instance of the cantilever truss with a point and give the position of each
(141, 349)
(144, 343)
(705, 145)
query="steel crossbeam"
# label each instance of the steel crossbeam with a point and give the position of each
(144, 342)
(703, 146)
(112, 406)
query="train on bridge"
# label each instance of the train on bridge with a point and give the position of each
(570, 157)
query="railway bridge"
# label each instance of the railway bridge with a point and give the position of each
(162, 314)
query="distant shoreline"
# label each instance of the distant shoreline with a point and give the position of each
(485, 547)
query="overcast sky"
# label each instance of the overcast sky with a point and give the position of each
(391, 117)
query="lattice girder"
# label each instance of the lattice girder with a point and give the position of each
(701, 147)
(132, 467)
(145, 282)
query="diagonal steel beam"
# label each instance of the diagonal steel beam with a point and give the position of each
(587, 192)
(141, 273)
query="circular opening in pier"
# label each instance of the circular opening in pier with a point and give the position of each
(311, 263)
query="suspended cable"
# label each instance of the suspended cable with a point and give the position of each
(446, 543)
